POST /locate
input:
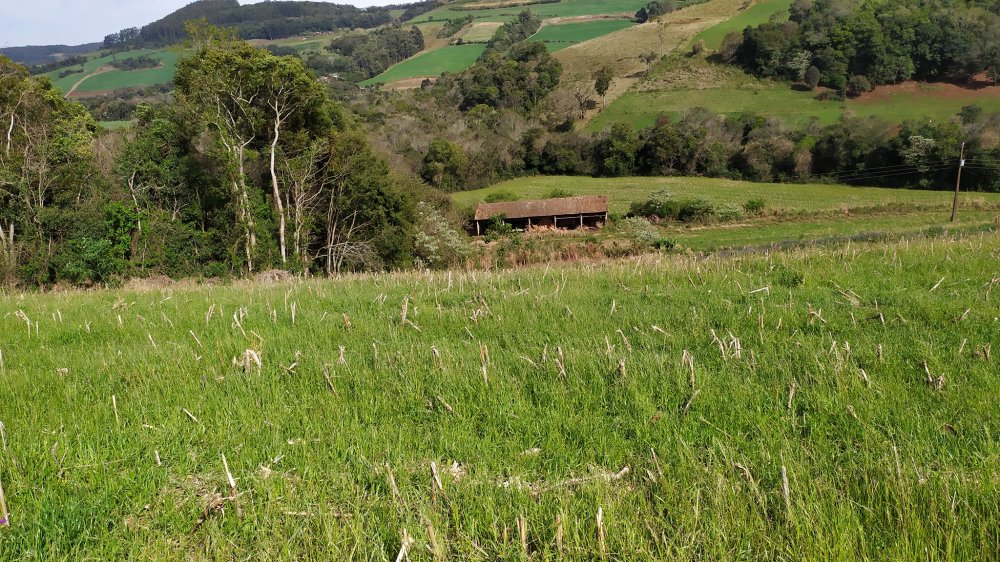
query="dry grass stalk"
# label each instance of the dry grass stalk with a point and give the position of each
(249, 361)
(522, 529)
(233, 495)
(785, 491)
(198, 341)
(3, 436)
(628, 346)
(404, 311)
(559, 534)
(936, 285)
(748, 476)
(340, 358)
(1, 360)
(937, 383)
(392, 481)
(404, 547)
(561, 362)
(600, 533)
(156, 455)
(436, 485)
(688, 360)
(190, 415)
(114, 406)
(347, 322)
(864, 377)
(329, 381)
(446, 405)
(435, 547)
(895, 457)
(791, 395)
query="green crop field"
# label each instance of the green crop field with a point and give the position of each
(759, 13)
(836, 403)
(481, 32)
(557, 37)
(565, 8)
(453, 58)
(622, 192)
(99, 81)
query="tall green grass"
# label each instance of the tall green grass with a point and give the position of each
(807, 428)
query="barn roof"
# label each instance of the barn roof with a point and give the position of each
(544, 208)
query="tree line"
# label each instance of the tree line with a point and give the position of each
(251, 166)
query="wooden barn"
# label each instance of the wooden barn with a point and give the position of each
(567, 213)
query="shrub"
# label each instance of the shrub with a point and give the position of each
(695, 210)
(501, 196)
(857, 85)
(558, 193)
(729, 213)
(660, 205)
(641, 232)
(498, 228)
(436, 243)
(754, 207)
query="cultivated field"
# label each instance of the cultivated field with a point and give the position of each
(558, 37)
(98, 76)
(811, 405)
(453, 58)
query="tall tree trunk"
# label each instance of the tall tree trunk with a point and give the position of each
(280, 207)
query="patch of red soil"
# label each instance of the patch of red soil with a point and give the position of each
(978, 88)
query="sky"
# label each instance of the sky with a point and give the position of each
(74, 22)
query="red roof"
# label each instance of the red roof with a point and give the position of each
(566, 206)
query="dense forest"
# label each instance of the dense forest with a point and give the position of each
(249, 167)
(852, 45)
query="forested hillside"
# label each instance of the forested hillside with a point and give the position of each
(264, 20)
(854, 45)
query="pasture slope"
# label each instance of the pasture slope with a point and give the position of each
(681, 82)
(833, 403)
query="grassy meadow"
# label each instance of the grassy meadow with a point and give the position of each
(97, 76)
(453, 58)
(834, 403)
(622, 192)
(760, 12)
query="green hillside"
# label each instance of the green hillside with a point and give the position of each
(563, 9)
(759, 13)
(452, 58)
(97, 75)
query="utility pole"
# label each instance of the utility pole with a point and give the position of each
(958, 183)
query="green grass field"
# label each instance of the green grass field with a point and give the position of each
(481, 32)
(114, 79)
(641, 109)
(759, 13)
(622, 192)
(663, 408)
(453, 58)
(565, 8)
(558, 37)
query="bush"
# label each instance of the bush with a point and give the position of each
(754, 207)
(660, 205)
(858, 85)
(729, 213)
(498, 228)
(436, 243)
(642, 233)
(696, 210)
(501, 196)
(558, 193)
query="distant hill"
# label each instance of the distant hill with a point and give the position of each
(265, 20)
(41, 54)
